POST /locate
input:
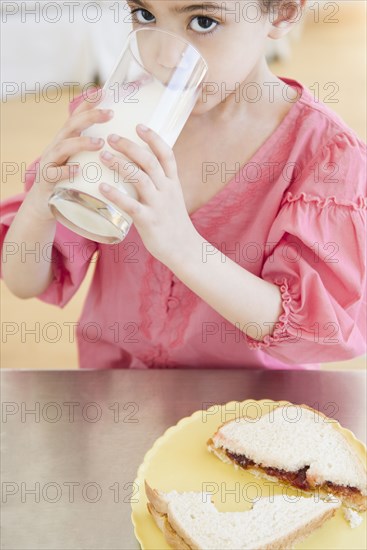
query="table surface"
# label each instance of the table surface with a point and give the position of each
(72, 441)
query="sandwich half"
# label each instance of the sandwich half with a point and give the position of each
(190, 521)
(301, 448)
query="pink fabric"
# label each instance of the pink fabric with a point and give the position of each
(294, 215)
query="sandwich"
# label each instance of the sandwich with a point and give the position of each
(296, 446)
(190, 521)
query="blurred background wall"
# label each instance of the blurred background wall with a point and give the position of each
(49, 50)
(60, 42)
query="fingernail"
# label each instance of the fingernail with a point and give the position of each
(105, 187)
(143, 128)
(108, 112)
(106, 155)
(113, 137)
(97, 141)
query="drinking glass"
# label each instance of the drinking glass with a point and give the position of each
(156, 82)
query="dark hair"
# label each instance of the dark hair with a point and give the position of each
(266, 4)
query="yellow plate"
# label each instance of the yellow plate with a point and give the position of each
(179, 460)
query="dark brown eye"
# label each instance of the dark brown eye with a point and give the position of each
(142, 16)
(204, 24)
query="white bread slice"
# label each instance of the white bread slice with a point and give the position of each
(313, 441)
(190, 521)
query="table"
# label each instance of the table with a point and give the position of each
(72, 441)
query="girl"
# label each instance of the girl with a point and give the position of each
(247, 248)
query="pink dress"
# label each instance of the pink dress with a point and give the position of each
(295, 215)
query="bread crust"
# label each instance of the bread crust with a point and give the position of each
(159, 503)
(357, 501)
(178, 543)
(169, 533)
(157, 507)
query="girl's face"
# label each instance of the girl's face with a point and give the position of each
(230, 35)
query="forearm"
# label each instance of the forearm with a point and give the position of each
(245, 300)
(26, 258)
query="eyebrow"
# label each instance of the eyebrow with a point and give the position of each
(207, 6)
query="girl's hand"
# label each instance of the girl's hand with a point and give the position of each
(160, 215)
(52, 167)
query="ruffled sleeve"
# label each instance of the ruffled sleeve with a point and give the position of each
(317, 258)
(70, 254)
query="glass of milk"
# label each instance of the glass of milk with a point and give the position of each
(156, 81)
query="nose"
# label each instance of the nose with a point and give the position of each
(167, 57)
(170, 53)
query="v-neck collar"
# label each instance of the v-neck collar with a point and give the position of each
(261, 151)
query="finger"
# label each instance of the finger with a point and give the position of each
(140, 156)
(129, 172)
(60, 153)
(162, 151)
(90, 99)
(81, 121)
(123, 201)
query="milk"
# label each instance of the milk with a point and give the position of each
(150, 103)
(137, 106)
